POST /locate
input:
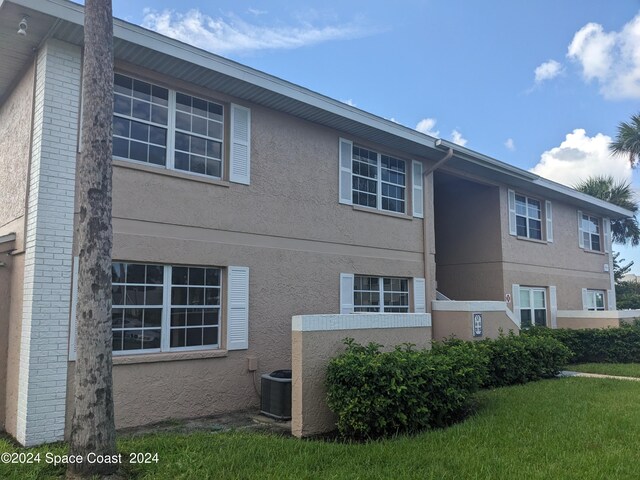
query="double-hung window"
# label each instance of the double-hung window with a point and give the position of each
(594, 300)
(158, 307)
(380, 294)
(140, 120)
(528, 217)
(159, 126)
(378, 181)
(533, 307)
(591, 236)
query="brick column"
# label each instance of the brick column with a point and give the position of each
(48, 246)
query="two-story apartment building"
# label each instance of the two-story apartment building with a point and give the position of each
(239, 201)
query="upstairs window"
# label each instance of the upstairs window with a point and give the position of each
(140, 120)
(591, 236)
(528, 217)
(378, 181)
(159, 126)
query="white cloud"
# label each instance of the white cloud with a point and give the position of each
(579, 157)
(610, 58)
(457, 138)
(510, 144)
(349, 102)
(427, 126)
(256, 12)
(234, 35)
(547, 71)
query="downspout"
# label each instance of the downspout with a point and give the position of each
(425, 223)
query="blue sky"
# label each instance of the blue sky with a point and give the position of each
(541, 85)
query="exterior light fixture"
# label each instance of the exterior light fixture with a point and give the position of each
(22, 26)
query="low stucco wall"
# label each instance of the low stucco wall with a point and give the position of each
(455, 319)
(591, 319)
(318, 338)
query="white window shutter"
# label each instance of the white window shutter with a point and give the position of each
(240, 152)
(515, 300)
(346, 293)
(344, 173)
(585, 299)
(512, 213)
(606, 228)
(580, 231)
(549, 215)
(238, 308)
(419, 295)
(553, 306)
(72, 316)
(418, 190)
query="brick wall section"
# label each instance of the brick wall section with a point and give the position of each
(48, 250)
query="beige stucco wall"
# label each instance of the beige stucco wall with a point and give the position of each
(287, 227)
(15, 137)
(561, 263)
(460, 325)
(468, 253)
(311, 352)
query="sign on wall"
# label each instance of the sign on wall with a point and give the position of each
(477, 324)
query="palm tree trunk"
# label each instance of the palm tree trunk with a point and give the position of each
(93, 428)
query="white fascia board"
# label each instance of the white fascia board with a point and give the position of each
(557, 187)
(535, 180)
(74, 13)
(174, 48)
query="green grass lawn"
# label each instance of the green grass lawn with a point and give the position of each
(621, 369)
(571, 428)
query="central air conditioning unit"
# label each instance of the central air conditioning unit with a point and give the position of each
(276, 395)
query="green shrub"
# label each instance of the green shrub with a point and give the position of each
(515, 359)
(596, 345)
(377, 394)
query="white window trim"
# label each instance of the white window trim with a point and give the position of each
(165, 331)
(381, 293)
(171, 131)
(531, 308)
(166, 317)
(379, 180)
(590, 294)
(527, 217)
(601, 235)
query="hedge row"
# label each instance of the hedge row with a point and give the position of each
(607, 345)
(378, 394)
(515, 359)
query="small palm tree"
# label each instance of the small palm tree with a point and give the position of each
(624, 230)
(627, 141)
